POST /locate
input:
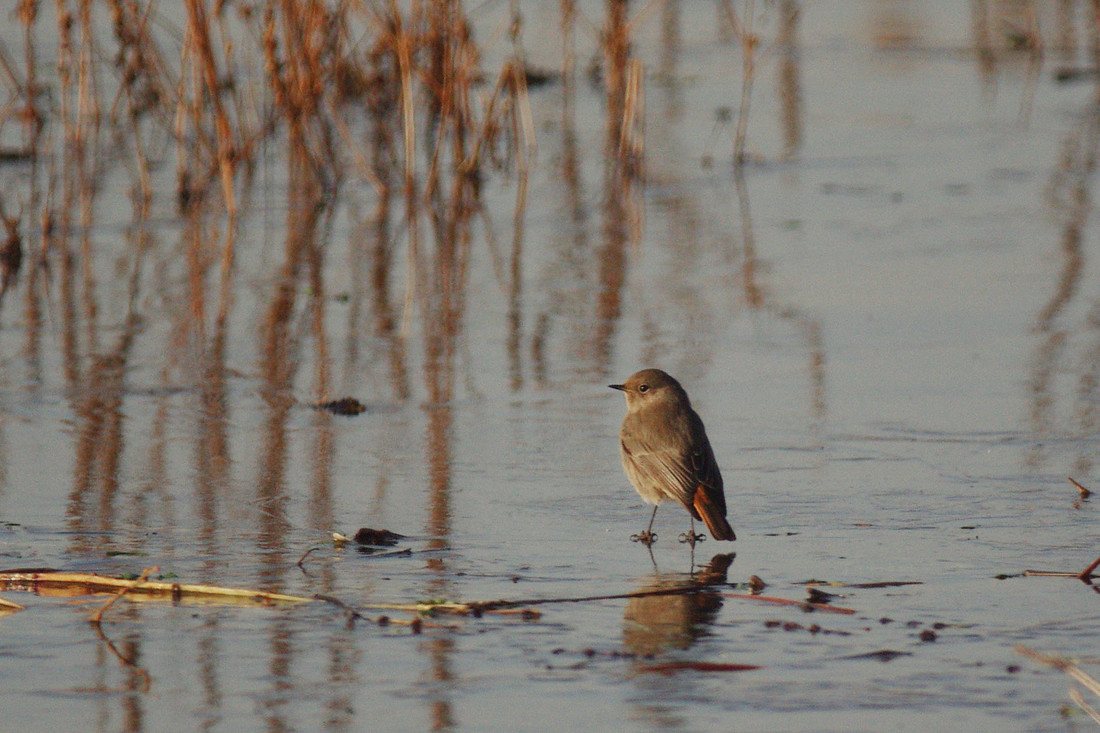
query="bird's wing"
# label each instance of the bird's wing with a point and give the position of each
(660, 471)
(708, 477)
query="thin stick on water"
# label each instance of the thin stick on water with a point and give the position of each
(1077, 697)
(96, 617)
(1086, 574)
(1072, 671)
(1085, 493)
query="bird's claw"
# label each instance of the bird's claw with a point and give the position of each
(647, 538)
(691, 538)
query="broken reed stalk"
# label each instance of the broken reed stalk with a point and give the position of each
(1071, 670)
(1077, 697)
(805, 605)
(6, 605)
(1085, 493)
(353, 614)
(306, 554)
(1086, 574)
(90, 583)
(96, 617)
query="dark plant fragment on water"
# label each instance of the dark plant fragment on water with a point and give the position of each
(816, 595)
(877, 584)
(343, 406)
(882, 655)
(812, 628)
(1084, 492)
(377, 537)
(670, 667)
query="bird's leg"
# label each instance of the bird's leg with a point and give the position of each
(647, 538)
(690, 537)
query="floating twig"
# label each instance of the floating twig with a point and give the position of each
(876, 584)
(670, 667)
(805, 605)
(304, 556)
(1075, 695)
(1057, 661)
(353, 613)
(392, 553)
(1085, 493)
(1072, 671)
(881, 655)
(1086, 574)
(98, 615)
(886, 584)
(458, 608)
(517, 606)
(497, 606)
(91, 583)
(349, 609)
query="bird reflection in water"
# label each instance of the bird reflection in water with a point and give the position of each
(678, 610)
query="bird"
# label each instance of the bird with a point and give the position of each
(666, 454)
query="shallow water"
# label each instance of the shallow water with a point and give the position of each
(889, 330)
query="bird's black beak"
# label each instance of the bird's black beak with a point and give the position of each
(621, 387)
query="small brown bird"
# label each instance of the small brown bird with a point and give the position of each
(666, 454)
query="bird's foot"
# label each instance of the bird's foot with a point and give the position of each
(647, 538)
(691, 538)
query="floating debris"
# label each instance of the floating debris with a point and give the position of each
(670, 667)
(882, 655)
(78, 584)
(804, 605)
(344, 406)
(1085, 493)
(887, 584)
(377, 537)
(816, 595)
(1072, 671)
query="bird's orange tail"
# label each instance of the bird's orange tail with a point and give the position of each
(713, 515)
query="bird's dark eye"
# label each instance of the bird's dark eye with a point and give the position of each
(643, 388)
